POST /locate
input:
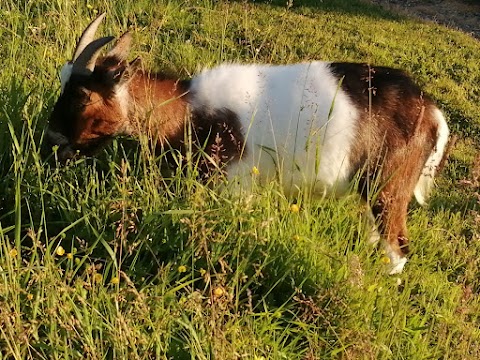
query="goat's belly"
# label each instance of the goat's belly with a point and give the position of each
(313, 170)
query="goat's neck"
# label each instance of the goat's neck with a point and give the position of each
(159, 110)
(158, 107)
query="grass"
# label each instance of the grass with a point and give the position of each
(108, 259)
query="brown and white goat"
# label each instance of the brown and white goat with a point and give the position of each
(315, 124)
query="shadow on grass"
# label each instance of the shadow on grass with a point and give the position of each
(462, 197)
(350, 7)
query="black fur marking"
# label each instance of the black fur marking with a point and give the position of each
(216, 134)
(358, 78)
(389, 105)
(69, 106)
(396, 132)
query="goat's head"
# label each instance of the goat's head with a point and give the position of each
(93, 104)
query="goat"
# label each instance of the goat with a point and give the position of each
(315, 124)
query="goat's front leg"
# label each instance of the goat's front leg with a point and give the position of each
(391, 212)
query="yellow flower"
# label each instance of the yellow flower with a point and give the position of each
(218, 291)
(294, 208)
(255, 171)
(60, 251)
(296, 237)
(114, 280)
(182, 269)
(29, 296)
(97, 277)
(202, 271)
(13, 252)
(69, 256)
(385, 260)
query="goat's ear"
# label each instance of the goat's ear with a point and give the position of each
(135, 65)
(121, 48)
(121, 73)
(124, 71)
(118, 74)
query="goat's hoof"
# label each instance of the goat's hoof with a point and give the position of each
(396, 265)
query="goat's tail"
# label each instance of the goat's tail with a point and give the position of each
(436, 159)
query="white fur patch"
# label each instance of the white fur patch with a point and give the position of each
(295, 118)
(65, 75)
(426, 180)
(397, 262)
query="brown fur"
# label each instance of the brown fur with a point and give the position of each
(159, 106)
(161, 110)
(118, 99)
(396, 134)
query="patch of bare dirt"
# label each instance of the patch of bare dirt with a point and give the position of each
(462, 15)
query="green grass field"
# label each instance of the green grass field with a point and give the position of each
(107, 259)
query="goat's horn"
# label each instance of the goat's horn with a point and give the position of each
(121, 48)
(88, 57)
(87, 36)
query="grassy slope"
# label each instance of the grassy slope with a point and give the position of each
(157, 268)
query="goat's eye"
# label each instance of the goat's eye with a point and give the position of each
(79, 106)
(97, 127)
(96, 123)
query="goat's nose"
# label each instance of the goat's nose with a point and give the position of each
(65, 153)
